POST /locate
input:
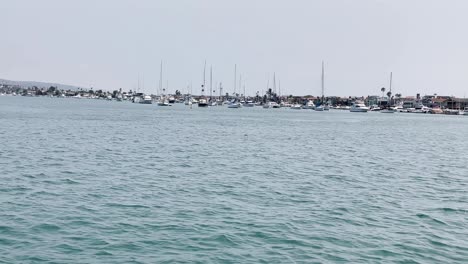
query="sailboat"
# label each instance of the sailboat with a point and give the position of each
(203, 102)
(389, 110)
(162, 100)
(234, 103)
(322, 106)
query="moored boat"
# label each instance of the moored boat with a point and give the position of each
(146, 100)
(359, 107)
(296, 107)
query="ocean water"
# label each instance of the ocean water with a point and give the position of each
(90, 181)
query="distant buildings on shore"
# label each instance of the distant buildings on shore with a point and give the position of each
(432, 101)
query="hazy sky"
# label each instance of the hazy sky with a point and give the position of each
(107, 44)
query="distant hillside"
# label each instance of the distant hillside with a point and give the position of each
(39, 84)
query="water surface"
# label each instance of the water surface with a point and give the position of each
(90, 181)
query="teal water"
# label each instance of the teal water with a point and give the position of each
(88, 181)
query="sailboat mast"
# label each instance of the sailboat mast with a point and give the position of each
(244, 91)
(391, 75)
(274, 82)
(160, 77)
(323, 81)
(390, 97)
(204, 78)
(240, 83)
(235, 78)
(279, 88)
(211, 81)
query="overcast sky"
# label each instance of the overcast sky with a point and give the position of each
(107, 44)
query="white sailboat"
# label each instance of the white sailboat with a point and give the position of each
(235, 102)
(203, 102)
(389, 109)
(359, 107)
(162, 99)
(322, 106)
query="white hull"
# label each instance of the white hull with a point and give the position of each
(234, 105)
(360, 110)
(296, 107)
(319, 108)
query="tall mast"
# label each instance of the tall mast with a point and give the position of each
(391, 73)
(235, 78)
(390, 97)
(211, 81)
(244, 91)
(323, 81)
(274, 82)
(240, 83)
(220, 90)
(204, 81)
(279, 87)
(160, 77)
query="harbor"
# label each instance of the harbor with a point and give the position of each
(388, 103)
(114, 179)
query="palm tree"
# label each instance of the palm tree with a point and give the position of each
(383, 91)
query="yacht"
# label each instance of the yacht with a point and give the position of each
(296, 107)
(309, 105)
(271, 105)
(249, 104)
(234, 105)
(464, 112)
(375, 108)
(388, 111)
(171, 100)
(146, 100)
(359, 107)
(163, 102)
(202, 103)
(323, 106)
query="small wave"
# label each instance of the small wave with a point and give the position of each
(47, 227)
(103, 253)
(126, 205)
(69, 181)
(452, 210)
(425, 216)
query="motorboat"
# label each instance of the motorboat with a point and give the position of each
(296, 107)
(202, 103)
(374, 108)
(163, 102)
(388, 111)
(234, 105)
(359, 107)
(465, 112)
(271, 105)
(249, 104)
(146, 100)
(319, 108)
(309, 105)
